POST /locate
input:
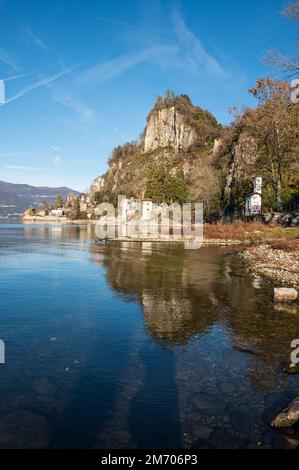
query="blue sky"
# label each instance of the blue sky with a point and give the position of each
(84, 74)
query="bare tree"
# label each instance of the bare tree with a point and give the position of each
(275, 126)
(289, 64)
(292, 11)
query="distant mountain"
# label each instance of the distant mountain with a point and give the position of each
(15, 198)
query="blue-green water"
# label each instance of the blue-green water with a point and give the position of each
(137, 345)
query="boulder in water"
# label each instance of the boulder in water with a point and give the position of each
(289, 417)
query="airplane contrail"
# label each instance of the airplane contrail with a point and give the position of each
(30, 73)
(38, 84)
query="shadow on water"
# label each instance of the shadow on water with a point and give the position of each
(154, 420)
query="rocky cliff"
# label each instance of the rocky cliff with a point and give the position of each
(178, 140)
(167, 127)
(185, 155)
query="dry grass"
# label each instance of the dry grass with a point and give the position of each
(276, 235)
(235, 231)
(279, 232)
(284, 244)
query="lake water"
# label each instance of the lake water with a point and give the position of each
(129, 345)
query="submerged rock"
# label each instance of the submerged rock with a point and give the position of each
(289, 417)
(24, 429)
(284, 294)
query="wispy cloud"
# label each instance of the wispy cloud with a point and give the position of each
(65, 99)
(181, 48)
(172, 46)
(33, 72)
(192, 48)
(21, 168)
(40, 83)
(34, 39)
(55, 148)
(105, 71)
(7, 59)
(12, 155)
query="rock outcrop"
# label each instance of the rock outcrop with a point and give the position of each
(97, 185)
(241, 168)
(288, 418)
(275, 263)
(167, 128)
(178, 137)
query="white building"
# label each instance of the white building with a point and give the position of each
(147, 209)
(57, 213)
(128, 208)
(253, 205)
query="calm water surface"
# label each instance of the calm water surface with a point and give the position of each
(137, 345)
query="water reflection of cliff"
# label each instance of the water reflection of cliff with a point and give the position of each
(185, 293)
(174, 289)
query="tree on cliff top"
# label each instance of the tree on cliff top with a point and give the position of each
(206, 125)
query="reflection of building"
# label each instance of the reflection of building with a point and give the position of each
(253, 204)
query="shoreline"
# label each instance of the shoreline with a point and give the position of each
(206, 242)
(276, 264)
(53, 221)
(279, 266)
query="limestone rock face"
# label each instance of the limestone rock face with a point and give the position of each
(177, 136)
(243, 165)
(97, 185)
(167, 127)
